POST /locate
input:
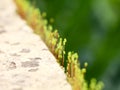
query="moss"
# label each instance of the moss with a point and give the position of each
(75, 74)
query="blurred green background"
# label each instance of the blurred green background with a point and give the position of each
(92, 29)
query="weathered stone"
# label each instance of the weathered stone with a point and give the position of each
(25, 61)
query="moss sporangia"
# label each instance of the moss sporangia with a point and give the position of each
(37, 21)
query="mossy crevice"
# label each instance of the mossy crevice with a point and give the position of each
(75, 75)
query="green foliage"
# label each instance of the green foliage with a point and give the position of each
(75, 74)
(92, 28)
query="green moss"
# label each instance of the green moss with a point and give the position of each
(75, 75)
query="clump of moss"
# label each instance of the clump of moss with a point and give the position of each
(75, 75)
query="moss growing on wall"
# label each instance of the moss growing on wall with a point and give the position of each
(75, 74)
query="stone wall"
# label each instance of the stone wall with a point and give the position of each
(25, 61)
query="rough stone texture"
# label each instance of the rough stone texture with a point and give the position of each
(25, 61)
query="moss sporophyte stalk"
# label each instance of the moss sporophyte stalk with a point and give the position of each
(71, 65)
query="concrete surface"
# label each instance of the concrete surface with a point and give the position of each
(25, 61)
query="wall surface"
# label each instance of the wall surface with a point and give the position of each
(25, 61)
